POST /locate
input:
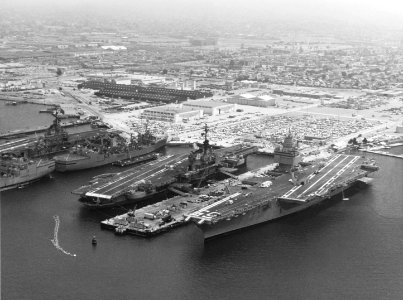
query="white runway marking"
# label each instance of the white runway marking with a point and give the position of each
(55, 240)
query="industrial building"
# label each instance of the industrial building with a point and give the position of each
(294, 92)
(209, 107)
(142, 93)
(249, 99)
(172, 113)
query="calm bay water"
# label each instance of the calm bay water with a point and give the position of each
(22, 116)
(342, 249)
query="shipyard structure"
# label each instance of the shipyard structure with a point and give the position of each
(142, 93)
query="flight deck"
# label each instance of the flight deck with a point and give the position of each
(338, 172)
(160, 171)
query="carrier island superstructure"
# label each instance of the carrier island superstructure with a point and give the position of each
(237, 203)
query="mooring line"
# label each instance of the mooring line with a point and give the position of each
(55, 240)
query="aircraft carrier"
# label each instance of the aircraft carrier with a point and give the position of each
(113, 189)
(168, 172)
(262, 201)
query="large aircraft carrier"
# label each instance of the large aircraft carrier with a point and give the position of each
(262, 200)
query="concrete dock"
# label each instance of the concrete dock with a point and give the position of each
(384, 153)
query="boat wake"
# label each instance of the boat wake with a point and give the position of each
(55, 240)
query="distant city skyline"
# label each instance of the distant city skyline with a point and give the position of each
(387, 13)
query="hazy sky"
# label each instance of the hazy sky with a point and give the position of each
(382, 12)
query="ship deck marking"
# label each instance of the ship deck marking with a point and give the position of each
(157, 171)
(338, 174)
(336, 168)
(128, 173)
(107, 190)
(295, 188)
(333, 167)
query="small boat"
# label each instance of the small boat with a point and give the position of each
(344, 198)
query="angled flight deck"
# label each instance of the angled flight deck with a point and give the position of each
(122, 182)
(338, 171)
(339, 166)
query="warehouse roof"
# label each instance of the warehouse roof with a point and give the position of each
(205, 103)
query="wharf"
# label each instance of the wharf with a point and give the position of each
(40, 129)
(384, 153)
(153, 219)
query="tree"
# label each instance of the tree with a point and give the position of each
(59, 72)
(365, 141)
(165, 71)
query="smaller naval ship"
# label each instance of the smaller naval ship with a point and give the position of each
(17, 171)
(106, 149)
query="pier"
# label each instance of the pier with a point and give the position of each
(40, 129)
(383, 153)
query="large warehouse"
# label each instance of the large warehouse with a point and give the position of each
(210, 107)
(171, 113)
(249, 99)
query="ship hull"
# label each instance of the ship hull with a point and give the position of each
(30, 175)
(66, 164)
(123, 200)
(267, 212)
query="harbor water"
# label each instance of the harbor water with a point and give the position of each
(22, 116)
(339, 250)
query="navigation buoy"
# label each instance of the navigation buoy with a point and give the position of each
(94, 240)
